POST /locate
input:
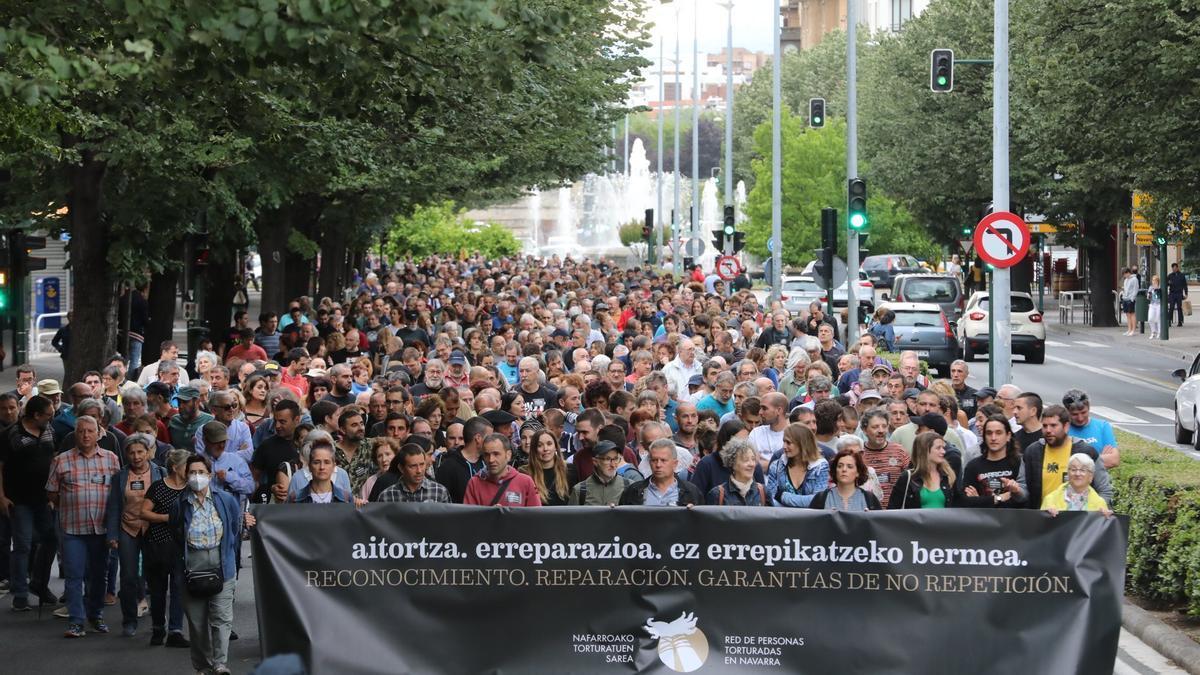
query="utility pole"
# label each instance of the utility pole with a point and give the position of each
(776, 167)
(625, 148)
(851, 169)
(696, 119)
(658, 183)
(999, 347)
(675, 247)
(728, 179)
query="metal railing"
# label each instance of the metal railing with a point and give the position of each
(36, 333)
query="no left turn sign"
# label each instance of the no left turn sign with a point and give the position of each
(728, 267)
(1002, 239)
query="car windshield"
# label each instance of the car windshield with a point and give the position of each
(929, 290)
(919, 319)
(801, 286)
(1018, 304)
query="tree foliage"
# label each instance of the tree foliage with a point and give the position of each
(443, 229)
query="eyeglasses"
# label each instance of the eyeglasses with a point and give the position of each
(231, 406)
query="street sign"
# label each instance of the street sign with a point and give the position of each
(694, 247)
(1002, 239)
(728, 267)
(1140, 201)
(770, 245)
(1043, 228)
(1143, 239)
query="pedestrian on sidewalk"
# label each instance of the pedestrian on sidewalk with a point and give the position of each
(1129, 289)
(1155, 293)
(1177, 290)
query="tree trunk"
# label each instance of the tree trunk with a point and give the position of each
(1099, 247)
(94, 327)
(218, 293)
(333, 261)
(164, 290)
(273, 229)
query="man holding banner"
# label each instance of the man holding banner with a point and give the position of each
(500, 485)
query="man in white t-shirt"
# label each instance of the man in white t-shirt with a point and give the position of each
(768, 437)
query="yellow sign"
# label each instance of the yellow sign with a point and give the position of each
(1042, 228)
(1143, 239)
(1140, 224)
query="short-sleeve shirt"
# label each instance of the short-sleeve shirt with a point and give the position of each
(82, 484)
(164, 498)
(1096, 433)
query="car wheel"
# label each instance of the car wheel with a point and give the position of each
(1036, 356)
(1182, 436)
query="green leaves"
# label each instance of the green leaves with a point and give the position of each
(440, 229)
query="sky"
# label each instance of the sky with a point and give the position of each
(752, 25)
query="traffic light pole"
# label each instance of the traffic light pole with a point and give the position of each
(1164, 308)
(999, 341)
(727, 179)
(852, 262)
(776, 167)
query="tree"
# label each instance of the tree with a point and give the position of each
(441, 229)
(814, 177)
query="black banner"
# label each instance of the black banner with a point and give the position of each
(425, 588)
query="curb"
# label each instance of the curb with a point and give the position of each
(1160, 637)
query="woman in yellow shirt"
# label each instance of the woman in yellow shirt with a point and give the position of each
(1077, 494)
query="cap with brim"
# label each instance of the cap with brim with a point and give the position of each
(271, 366)
(985, 392)
(695, 380)
(457, 359)
(215, 432)
(882, 368)
(932, 421)
(187, 394)
(317, 372)
(499, 418)
(870, 393)
(558, 332)
(48, 387)
(605, 447)
(911, 392)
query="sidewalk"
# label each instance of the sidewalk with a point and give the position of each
(1183, 343)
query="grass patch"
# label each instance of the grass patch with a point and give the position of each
(1159, 489)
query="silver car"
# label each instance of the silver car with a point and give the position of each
(1187, 405)
(798, 292)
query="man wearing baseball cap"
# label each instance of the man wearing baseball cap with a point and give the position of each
(230, 472)
(605, 485)
(183, 425)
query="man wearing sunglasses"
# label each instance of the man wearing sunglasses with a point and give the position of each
(1095, 432)
(225, 409)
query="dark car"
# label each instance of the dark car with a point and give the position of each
(882, 269)
(922, 327)
(942, 289)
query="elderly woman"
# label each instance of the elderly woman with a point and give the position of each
(791, 382)
(847, 492)
(741, 458)
(1077, 494)
(801, 472)
(124, 523)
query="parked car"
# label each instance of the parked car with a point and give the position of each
(922, 327)
(882, 269)
(1025, 321)
(798, 292)
(864, 293)
(1187, 405)
(945, 290)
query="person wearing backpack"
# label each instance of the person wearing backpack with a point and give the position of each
(740, 489)
(605, 486)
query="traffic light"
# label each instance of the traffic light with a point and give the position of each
(816, 112)
(22, 246)
(857, 204)
(941, 70)
(200, 250)
(648, 228)
(739, 241)
(5, 291)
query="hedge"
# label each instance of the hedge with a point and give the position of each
(1159, 489)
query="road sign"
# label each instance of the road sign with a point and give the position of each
(1043, 228)
(694, 247)
(728, 267)
(770, 245)
(1140, 201)
(1143, 239)
(1002, 239)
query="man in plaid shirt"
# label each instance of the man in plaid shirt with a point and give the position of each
(413, 485)
(78, 487)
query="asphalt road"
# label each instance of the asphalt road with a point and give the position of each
(1129, 386)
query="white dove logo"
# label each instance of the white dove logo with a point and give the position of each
(681, 646)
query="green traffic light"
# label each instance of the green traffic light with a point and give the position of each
(858, 221)
(729, 230)
(817, 120)
(942, 80)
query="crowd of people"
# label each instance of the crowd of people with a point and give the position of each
(513, 382)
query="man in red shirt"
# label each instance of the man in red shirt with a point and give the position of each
(245, 349)
(500, 485)
(294, 374)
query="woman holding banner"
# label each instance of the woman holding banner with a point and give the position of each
(929, 482)
(551, 475)
(794, 478)
(741, 458)
(847, 493)
(321, 489)
(995, 479)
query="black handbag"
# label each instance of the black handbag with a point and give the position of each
(204, 583)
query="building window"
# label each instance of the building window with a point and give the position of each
(901, 11)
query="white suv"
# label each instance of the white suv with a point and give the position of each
(1028, 328)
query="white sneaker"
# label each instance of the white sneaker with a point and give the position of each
(62, 612)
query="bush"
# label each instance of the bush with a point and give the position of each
(1159, 489)
(441, 229)
(631, 233)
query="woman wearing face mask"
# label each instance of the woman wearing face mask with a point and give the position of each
(125, 525)
(209, 526)
(161, 555)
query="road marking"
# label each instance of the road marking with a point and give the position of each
(1165, 413)
(1055, 343)
(1124, 378)
(1116, 415)
(1085, 343)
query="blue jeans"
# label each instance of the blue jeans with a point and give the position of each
(29, 522)
(135, 355)
(130, 551)
(85, 557)
(5, 546)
